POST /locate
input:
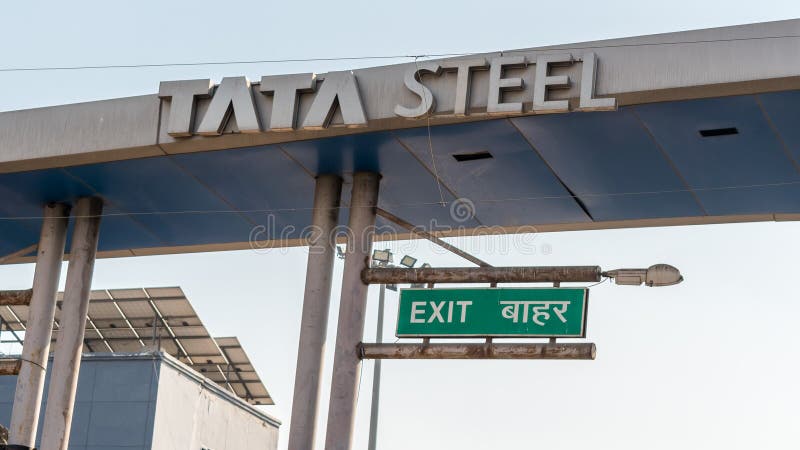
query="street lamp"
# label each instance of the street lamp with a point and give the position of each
(408, 261)
(382, 258)
(654, 276)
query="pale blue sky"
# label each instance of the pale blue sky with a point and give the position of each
(706, 364)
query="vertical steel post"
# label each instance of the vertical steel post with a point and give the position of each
(36, 347)
(376, 376)
(346, 363)
(316, 305)
(67, 358)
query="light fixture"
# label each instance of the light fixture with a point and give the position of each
(408, 261)
(425, 266)
(382, 256)
(654, 276)
(339, 252)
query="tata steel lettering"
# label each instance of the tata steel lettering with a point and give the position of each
(236, 97)
(493, 312)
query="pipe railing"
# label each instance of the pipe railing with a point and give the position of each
(543, 274)
(16, 298)
(580, 351)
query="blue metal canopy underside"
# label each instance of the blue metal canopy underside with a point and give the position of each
(640, 162)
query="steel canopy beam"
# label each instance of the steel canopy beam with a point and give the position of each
(16, 298)
(584, 351)
(543, 274)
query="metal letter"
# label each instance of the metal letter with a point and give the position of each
(35, 349)
(413, 82)
(232, 97)
(344, 87)
(498, 85)
(543, 81)
(67, 358)
(285, 89)
(181, 108)
(588, 77)
(464, 69)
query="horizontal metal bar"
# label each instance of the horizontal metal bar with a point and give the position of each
(16, 298)
(544, 274)
(478, 351)
(10, 366)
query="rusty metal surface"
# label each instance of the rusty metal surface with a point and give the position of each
(584, 351)
(543, 274)
(16, 298)
(10, 366)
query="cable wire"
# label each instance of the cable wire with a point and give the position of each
(376, 57)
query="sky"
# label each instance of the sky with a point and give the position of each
(709, 363)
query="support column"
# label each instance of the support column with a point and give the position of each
(67, 359)
(36, 347)
(316, 304)
(346, 364)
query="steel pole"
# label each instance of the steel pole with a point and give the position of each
(316, 305)
(376, 376)
(36, 348)
(353, 303)
(67, 358)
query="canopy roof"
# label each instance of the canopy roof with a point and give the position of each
(705, 131)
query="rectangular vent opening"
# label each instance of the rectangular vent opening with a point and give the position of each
(719, 132)
(461, 157)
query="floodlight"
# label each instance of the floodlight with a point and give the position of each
(339, 252)
(391, 287)
(408, 261)
(655, 276)
(382, 256)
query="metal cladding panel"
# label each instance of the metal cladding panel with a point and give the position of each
(169, 202)
(748, 172)
(783, 111)
(611, 164)
(408, 189)
(513, 187)
(270, 189)
(25, 193)
(14, 234)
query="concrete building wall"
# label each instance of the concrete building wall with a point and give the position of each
(151, 401)
(194, 413)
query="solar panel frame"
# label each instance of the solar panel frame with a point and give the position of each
(135, 320)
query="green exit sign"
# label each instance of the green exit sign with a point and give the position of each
(493, 312)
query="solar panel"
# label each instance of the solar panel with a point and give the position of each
(134, 320)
